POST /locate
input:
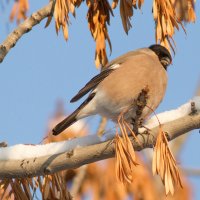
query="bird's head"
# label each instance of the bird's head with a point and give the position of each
(163, 54)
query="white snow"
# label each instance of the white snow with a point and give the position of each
(172, 115)
(21, 151)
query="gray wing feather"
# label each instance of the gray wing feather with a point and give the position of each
(92, 84)
(111, 66)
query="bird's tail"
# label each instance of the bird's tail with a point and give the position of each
(68, 121)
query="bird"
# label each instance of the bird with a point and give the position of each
(119, 84)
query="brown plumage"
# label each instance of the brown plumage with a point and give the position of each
(117, 87)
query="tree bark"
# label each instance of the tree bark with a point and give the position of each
(92, 153)
(25, 27)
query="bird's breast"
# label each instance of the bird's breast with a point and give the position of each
(119, 90)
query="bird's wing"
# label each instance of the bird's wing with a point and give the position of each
(109, 68)
(92, 84)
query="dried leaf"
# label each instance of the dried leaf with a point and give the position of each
(114, 4)
(98, 17)
(124, 154)
(126, 12)
(165, 165)
(46, 187)
(4, 184)
(185, 10)
(191, 12)
(26, 188)
(61, 14)
(19, 10)
(165, 16)
(140, 2)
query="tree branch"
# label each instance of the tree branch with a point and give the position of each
(23, 28)
(178, 143)
(91, 153)
(192, 172)
(78, 180)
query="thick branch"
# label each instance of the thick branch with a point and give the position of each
(92, 153)
(23, 28)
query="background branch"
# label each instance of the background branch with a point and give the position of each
(91, 153)
(78, 180)
(23, 28)
(192, 171)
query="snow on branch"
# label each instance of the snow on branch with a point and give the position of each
(28, 160)
(23, 28)
(190, 107)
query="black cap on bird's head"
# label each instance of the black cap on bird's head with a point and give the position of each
(163, 54)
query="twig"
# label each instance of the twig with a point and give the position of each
(78, 180)
(177, 145)
(23, 28)
(102, 125)
(191, 171)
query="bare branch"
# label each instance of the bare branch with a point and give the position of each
(92, 153)
(78, 180)
(191, 171)
(179, 142)
(23, 28)
(102, 125)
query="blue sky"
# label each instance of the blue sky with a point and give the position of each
(43, 68)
